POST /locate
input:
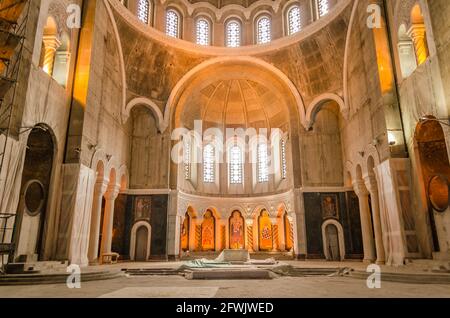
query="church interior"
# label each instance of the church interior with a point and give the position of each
(165, 131)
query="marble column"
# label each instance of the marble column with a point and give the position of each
(281, 234)
(61, 67)
(275, 236)
(192, 226)
(99, 190)
(51, 44)
(108, 219)
(371, 185)
(417, 32)
(249, 234)
(366, 223)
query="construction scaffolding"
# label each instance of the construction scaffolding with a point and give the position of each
(13, 26)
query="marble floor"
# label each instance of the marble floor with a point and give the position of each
(179, 287)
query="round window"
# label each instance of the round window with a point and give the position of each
(34, 197)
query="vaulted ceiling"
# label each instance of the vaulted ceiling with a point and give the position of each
(236, 103)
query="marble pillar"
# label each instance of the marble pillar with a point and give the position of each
(99, 190)
(371, 185)
(108, 220)
(249, 234)
(51, 44)
(418, 35)
(366, 222)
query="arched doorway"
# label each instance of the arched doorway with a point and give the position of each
(208, 232)
(185, 235)
(333, 240)
(236, 226)
(331, 233)
(141, 244)
(434, 163)
(265, 231)
(36, 176)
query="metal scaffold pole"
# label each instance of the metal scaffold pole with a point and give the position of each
(13, 26)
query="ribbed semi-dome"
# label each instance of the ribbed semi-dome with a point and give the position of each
(236, 103)
(221, 3)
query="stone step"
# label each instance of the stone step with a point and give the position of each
(276, 255)
(407, 278)
(40, 279)
(152, 272)
(219, 274)
(30, 267)
(429, 265)
(313, 271)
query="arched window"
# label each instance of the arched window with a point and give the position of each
(418, 34)
(264, 30)
(144, 8)
(235, 165)
(203, 32)
(294, 23)
(233, 33)
(172, 23)
(323, 7)
(209, 163)
(283, 159)
(263, 163)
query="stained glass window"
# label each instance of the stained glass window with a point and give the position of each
(264, 30)
(233, 33)
(235, 165)
(144, 11)
(323, 7)
(283, 159)
(209, 164)
(263, 163)
(172, 23)
(203, 32)
(294, 20)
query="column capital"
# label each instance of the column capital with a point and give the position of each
(370, 182)
(360, 188)
(101, 186)
(417, 30)
(51, 42)
(112, 192)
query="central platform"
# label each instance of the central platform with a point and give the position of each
(234, 256)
